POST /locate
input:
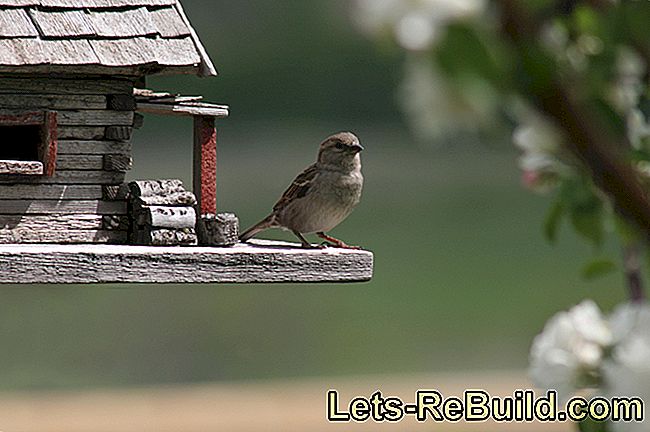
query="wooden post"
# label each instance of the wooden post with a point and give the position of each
(205, 164)
(50, 143)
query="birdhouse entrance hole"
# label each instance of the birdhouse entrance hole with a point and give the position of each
(28, 143)
(20, 143)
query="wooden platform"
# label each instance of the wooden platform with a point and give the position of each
(264, 261)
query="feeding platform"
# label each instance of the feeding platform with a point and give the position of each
(263, 261)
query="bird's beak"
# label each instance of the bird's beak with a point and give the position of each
(356, 148)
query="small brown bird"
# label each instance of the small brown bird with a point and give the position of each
(322, 196)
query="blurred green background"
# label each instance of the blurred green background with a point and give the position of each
(463, 277)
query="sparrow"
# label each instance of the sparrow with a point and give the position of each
(321, 196)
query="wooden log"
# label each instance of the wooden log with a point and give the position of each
(95, 118)
(218, 230)
(120, 133)
(48, 85)
(41, 191)
(117, 162)
(93, 147)
(115, 192)
(68, 177)
(19, 207)
(121, 102)
(80, 162)
(64, 102)
(259, 262)
(115, 222)
(167, 237)
(21, 167)
(83, 133)
(166, 217)
(184, 109)
(61, 236)
(145, 188)
(174, 199)
(54, 222)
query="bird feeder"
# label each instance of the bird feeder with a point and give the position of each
(71, 94)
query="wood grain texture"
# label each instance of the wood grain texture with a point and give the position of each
(65, 102)
(26, 206)
(21, 167)
(93, 147)
(218, 230)
(184, 109)
(120, 133)
(184, 198)
(148, 188)
(262, 262)
(117, 162)
(122, 23)
(62, 23)
(85, 133)
(53, 222)
(50, 143)
(16, 23)
(65, 86)
(80, 162)
(68, 177)
(95, 118)
(20, 235)
(41, 191)
(166, 237)
(166, 217)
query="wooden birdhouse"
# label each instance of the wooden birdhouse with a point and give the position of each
(71, 94)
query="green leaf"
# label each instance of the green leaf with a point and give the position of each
(586, 210)
(552, 221)
(598, 268)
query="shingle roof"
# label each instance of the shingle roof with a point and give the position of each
(132, 37)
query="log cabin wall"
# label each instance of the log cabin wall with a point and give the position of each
(81, 201)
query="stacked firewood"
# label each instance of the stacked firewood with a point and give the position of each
(162, 213)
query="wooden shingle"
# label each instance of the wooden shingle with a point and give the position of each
(62, 23)
(16, 23)
(169, 23)
(122, 23)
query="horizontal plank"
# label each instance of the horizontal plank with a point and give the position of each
(117, 162)
(80, 162)
(263, 262)
(47, 85)
(65, 102)
(185, 109)
(93, 147)
(21, 167)
(20, 235)
(13, 207)
(38, 191)
(68, 177)
(95, 118)
(53, 222)
(82, 132)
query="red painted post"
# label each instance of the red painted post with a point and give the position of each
(205, 164)
(50, 143)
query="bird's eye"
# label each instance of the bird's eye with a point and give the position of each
(339, 145)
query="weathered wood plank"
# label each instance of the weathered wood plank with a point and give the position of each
(95, 118)
(40, 191)
(19, 235)
(48, 85)
(93, 147)
(53, 222)
(185, 109)
(117, 162)
(15, 22)
(262, 262)
(62, 23)
(21, 167)
(121, 102)
(13, 207)
(64, 102)
(84, 133)
(80, 162)
(115, 192)
(68, 177)
(166, 217)
(124, 23)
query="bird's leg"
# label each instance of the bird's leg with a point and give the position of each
(336, 242)
(303, 240)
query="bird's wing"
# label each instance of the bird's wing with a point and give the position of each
(298, 188)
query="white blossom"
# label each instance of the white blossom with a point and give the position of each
(627, 371)
(567, 355)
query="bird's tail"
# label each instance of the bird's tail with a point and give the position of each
(267, 222)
